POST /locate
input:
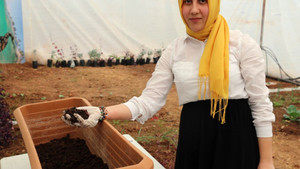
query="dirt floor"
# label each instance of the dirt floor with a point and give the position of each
(103, 86)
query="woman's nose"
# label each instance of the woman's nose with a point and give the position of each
(195, 8)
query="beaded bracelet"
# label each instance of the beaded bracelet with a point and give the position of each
(103, 112)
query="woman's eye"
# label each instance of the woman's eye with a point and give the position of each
(187, 1)
(202, 1)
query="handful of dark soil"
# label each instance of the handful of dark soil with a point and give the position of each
(71, 111)
(66, 153)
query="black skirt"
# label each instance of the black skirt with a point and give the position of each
(205, 143)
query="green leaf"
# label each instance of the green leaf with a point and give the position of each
(294, 116)
(292, 109)
(61, 96)
(286, 116)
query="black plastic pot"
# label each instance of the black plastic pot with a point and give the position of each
(63, 63)
(117, 62)
(156, 59)
(82, 62)
(128, 62)
(49, 62)
(35, 64)
(58, 64)
(89, 62)
(94, 63)
(76, 62)
(138, 61)
(131, 61)
(109, 62)
(148, 60)
(102, 63)
(142, 61)
(123, 62)
(69, 63)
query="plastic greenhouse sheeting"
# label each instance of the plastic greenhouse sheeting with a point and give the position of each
(8, 54)
(116, 26)
(112, 27)
(281, 31)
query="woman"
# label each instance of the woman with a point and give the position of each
(226, 120)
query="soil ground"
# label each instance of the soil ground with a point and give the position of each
(103, 86)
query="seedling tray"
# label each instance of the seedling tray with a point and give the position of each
(40, 123)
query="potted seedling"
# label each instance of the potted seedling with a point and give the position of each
(69, 62)
(157, 55)
(81, 60)
(62, 57)
(74, 54)
(110, 60)
(99, 60)
(131, 55)
(128, 59)
(90, 60)
(72, 64)
(148, 59)
(114, 59)
(140, 59)
(63, 63)
(58, 63)
(50, 61)
(102, 62)
(117, 60)
(58, 53)
(34, 61)
(123, 60)
(92, 54)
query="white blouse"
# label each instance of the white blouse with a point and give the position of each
(179, 63)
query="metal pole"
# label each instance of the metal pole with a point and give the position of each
(262, 22)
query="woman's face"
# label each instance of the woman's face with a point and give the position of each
(195, 14)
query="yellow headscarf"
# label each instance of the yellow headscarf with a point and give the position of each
(214, 63)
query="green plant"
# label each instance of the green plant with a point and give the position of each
(115, 122)
(292, 114)
(145, 139)
(169, 136)
(53, 53)
(79, 55)
(278, 100)
(141, 54)
(294, 98)
(113, 56)
(6, 126)
(93, 54)
(150, 53)
(34, 55)
(158, 52)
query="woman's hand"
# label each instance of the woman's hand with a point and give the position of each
(96, 114)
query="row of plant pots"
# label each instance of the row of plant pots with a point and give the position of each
(96, 63)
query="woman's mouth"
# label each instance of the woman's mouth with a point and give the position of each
(195, 19)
